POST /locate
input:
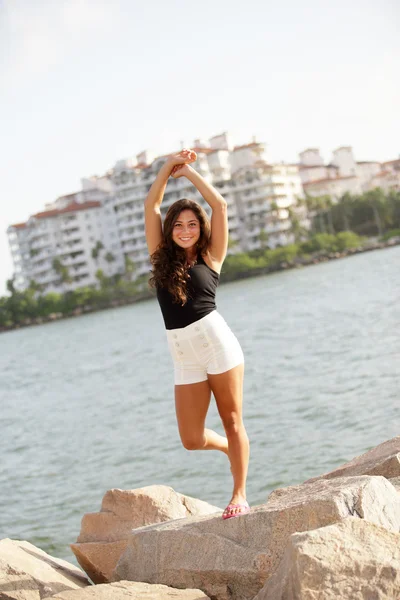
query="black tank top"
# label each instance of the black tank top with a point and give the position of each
(201, 289)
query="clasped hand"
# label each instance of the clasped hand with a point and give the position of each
(180, 162)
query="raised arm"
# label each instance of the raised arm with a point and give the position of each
(219, 216)
(152, 204)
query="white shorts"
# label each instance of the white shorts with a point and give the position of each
(204, 347)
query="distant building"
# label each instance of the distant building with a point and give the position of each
(258, 195)
(108, 214)
(342, 174)
(68, 230)
(388, 177)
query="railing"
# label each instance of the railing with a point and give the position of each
(69, 224)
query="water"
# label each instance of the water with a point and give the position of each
(87, 403)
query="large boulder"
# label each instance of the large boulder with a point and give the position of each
(104, 535)
(99, 559)
(395, 481)
(352, 559)
(232, 559)
(28, 573)
(382, 460)
(124, 510)
(133, 590)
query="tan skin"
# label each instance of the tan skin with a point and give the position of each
(192, 400)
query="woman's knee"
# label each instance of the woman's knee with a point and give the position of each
(232, 423)
(193, 442)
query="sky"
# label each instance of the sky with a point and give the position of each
(85, 83)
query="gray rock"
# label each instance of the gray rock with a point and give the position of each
(395, 481)
(231, 560)
(28, 573)
(133, 590)
(104, 535)
(382, 460)
(353, 560)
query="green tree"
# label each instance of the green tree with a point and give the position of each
(35, 286)
(376, 199)
(96, 250)
(263, 238)
(231, 242)
(10, 284)
(110, 258)
(62, 272)
(296, 227)
(130, 268)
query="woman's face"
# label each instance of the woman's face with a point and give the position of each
(186, 230)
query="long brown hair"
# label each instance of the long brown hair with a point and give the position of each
(169, 260)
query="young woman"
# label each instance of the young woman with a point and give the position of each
(187, 255)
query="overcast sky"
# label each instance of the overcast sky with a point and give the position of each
(87, 82)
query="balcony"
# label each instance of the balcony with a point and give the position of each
(258, 208)
(278, 226)
(70, 224)
(129, 195)
(70, 232)
(73, 260)
(73, 246)
(250, 185)
(82, 270)
(42, 266)
(257, 193)
(129, 247)
(128, 235)
(48, 277)
(40, 242)
(43, 253)
(35, 234)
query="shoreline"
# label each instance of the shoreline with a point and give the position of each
(297, 263)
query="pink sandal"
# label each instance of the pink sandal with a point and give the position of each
(245, 510)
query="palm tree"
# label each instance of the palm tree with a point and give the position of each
(263, 238)
(376, 199)
(109, 257)
(345, 209)
(328, 211)
(320, 210)
(296, 228)
(35, 286)
(96, 250)
(11, 285)
(62, 271)
(130, 268)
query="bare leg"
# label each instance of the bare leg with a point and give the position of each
(228, 391)
(191, 405)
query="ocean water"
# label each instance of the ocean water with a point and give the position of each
(86, 404)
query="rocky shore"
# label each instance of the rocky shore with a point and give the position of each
(314, 259)
(336, 536)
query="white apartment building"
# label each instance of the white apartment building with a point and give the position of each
(264, 195)
(109, 210)
(68, 230)
(388, 177)
(258, 195)
(342, 174)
